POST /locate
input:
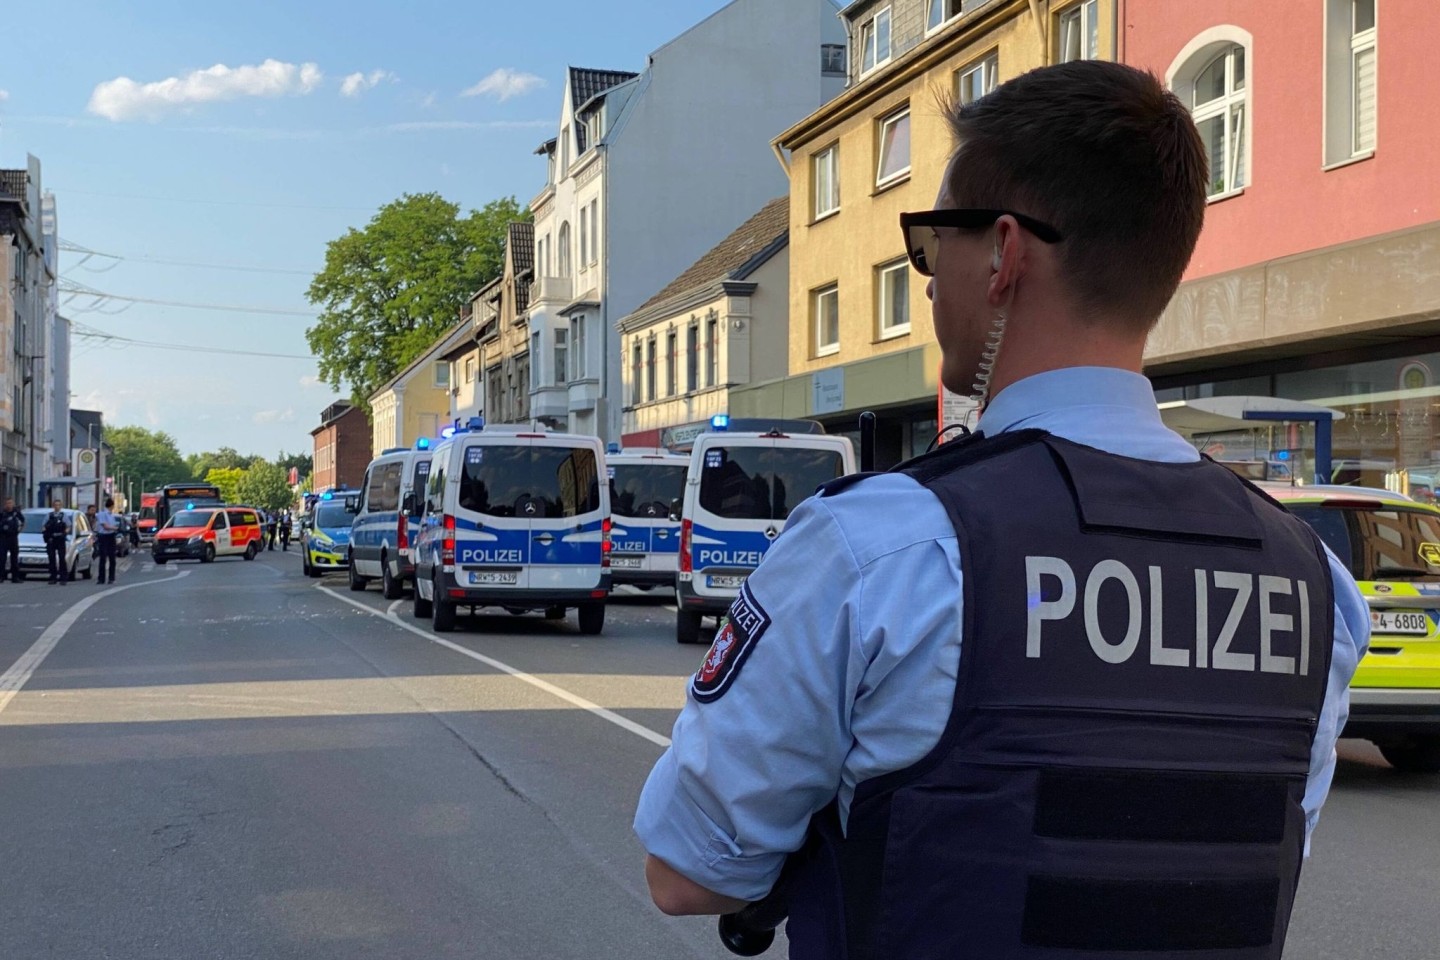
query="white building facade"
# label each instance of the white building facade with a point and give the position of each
(650, 170)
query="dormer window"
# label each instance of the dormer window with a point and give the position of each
(875, 41)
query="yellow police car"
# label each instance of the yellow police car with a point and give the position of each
(325, 536)
(1391, 544)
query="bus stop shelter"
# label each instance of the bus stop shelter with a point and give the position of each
(1224, 414)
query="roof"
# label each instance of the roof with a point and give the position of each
(1323, 492)
(437, 349)
(522, 245)
(14, 183)
(731, 258)
(585, 84)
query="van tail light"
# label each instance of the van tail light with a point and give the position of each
(685, 565)
(447, 545)
(605, 545)
(402, 534)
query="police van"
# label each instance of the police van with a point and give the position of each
(383, 528)
(740, 489)
(645, 485)
(518, 518)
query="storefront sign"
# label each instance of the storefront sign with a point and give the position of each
(829, 391)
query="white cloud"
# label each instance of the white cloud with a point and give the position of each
(4, 95)
(309, 381)
(125, 99)
(357, 83)
(274, 416)
(428, 100)
(503, 84)
(415, 126)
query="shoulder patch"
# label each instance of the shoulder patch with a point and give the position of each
(841, 484)
(744, 626)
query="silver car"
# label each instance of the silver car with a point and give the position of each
(79, 546)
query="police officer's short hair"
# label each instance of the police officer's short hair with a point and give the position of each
(1110, 158)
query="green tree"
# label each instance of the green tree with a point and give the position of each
(389, 291)
(226, 458)
(148, 458)
(265, 485)
(228, 480)
(302, 462)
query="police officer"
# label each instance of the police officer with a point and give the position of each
(1061, 688)
(107, 529)
(55, 531)
(285, 530)
(12, 521)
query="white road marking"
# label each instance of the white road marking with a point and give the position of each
(23, 669)
(624, 723)
(671, 607)
(390, 610)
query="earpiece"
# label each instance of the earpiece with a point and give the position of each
(995, 261)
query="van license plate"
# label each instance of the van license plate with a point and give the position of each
(626, 563)
(1399, 621)
(725, 582)
(494, 577)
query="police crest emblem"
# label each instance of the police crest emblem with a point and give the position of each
(734, 641)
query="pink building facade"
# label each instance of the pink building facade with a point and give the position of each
(1317, 277)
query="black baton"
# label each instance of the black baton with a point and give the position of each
(751, 931)
(867, 442)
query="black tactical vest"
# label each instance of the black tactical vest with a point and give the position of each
(1145, 652)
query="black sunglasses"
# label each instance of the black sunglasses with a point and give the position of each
(922, 244)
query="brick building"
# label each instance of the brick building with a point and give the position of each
(342, 447)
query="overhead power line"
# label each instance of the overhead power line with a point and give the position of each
(87, 254)
(90, 333)
(218, 203)
(74, 289)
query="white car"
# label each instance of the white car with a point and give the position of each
(79, 546)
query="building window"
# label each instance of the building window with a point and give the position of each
(564, 254)
(594, 231)
(712, 351)
(892, 288)
(875, 41)
(940, 12)
(584, 239)
(1219, 104)
(469, 369)
(979, 78)
(672, 364)
(825, 307)
(826, 168)
(650, 369)
(562, 371)
(1350, 63)
(577, 347)
(442, 375)
(894, 148)
(1080, 32)
(692, 358)
(832, 60)
(637, 372)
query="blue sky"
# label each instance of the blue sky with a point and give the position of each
(155, 154)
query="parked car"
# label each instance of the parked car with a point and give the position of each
(79, 546)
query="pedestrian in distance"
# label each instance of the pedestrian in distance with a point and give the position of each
(272, 524)
(1061, 687)
(285, 530)
(107, 530)
(12, 521)
(55, 532)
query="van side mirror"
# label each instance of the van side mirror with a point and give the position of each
(676, 508)
(352, 504)
(410, 506)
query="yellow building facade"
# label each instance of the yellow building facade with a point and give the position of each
(860, 335)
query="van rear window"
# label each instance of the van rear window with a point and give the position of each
(763, 483)
(645, 491)
(503, 481)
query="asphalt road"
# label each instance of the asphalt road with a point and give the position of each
(234, 761)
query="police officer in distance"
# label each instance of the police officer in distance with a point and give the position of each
(55, 532)
(12, 521)
(1061, 688)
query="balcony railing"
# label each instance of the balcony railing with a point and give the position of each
(558, 289)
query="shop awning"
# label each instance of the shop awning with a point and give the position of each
(1217, 414)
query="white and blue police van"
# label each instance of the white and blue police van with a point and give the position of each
(386, 522)
(514, 517)
(740, 489)
(646, 486)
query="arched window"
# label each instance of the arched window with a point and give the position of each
(1212, 77)
(564, 251)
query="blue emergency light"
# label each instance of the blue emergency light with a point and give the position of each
(1283, 455)
(423, 443)
(721, 421)
(475, 423)
(612, 447)
(327, 495)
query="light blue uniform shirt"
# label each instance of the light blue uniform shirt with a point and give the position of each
(855, 675)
